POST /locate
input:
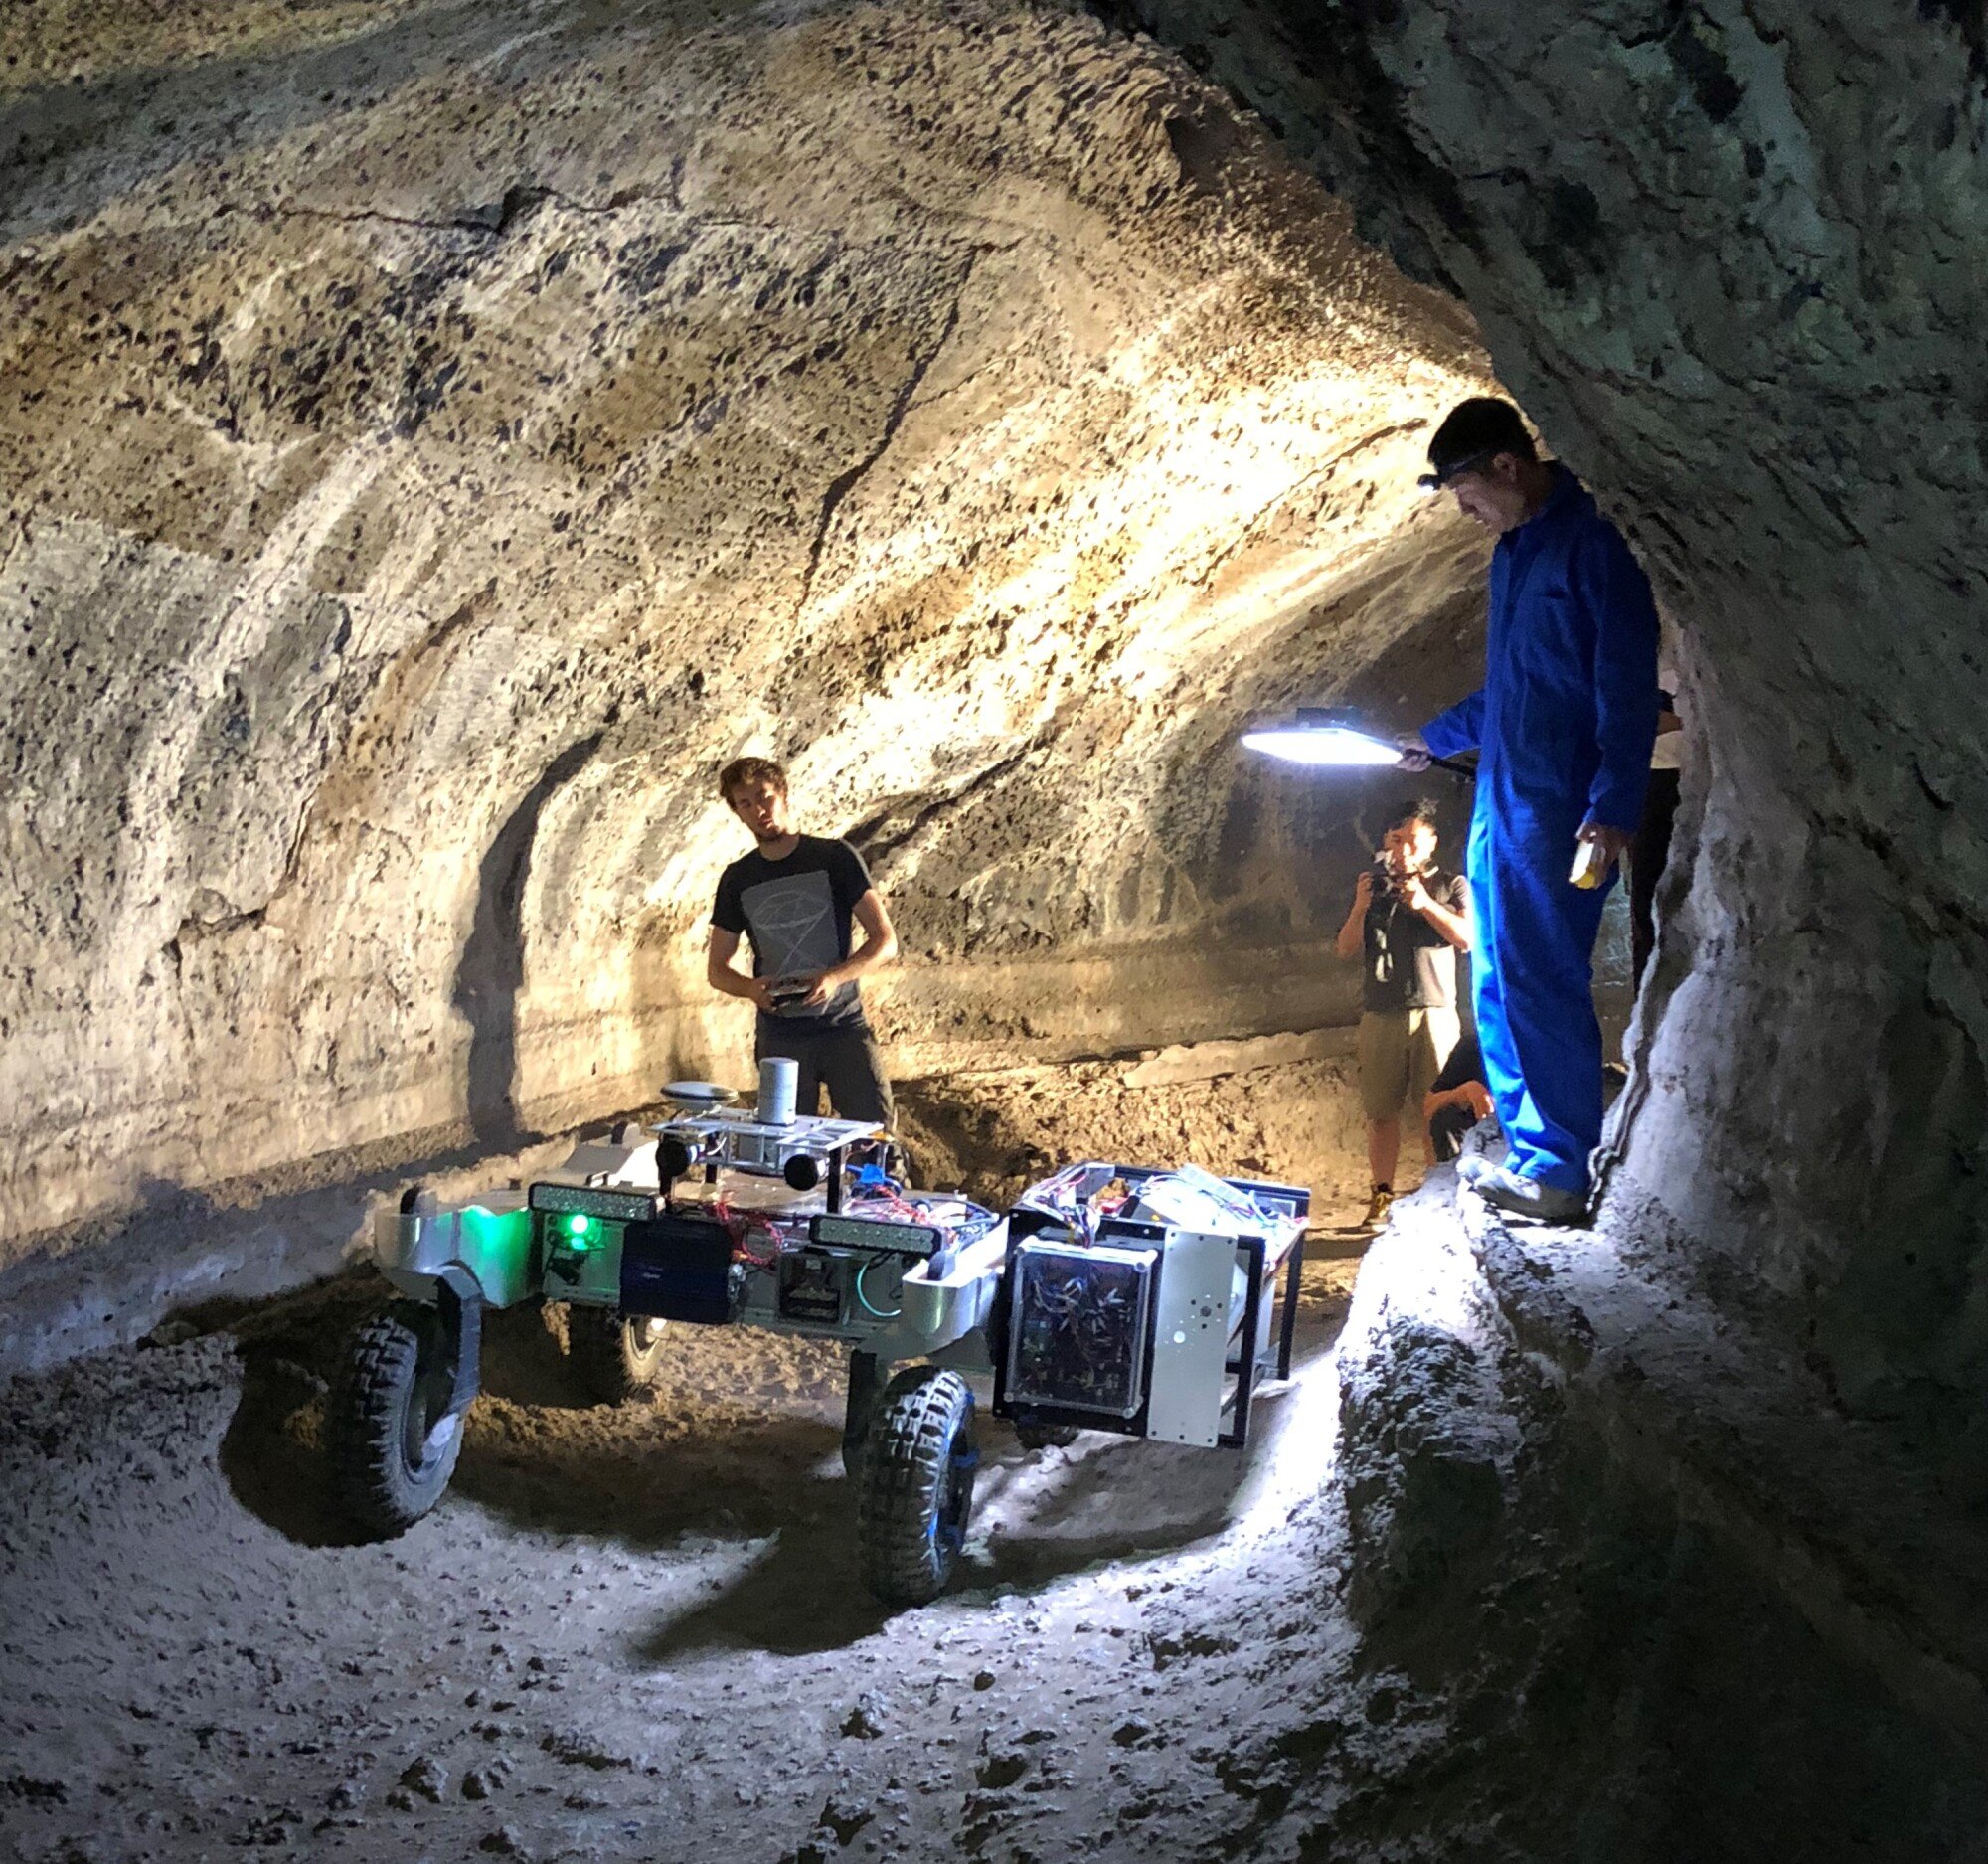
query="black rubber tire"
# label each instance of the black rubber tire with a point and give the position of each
(392, 1446)
(1044, 1436)
(612, 1359)
(916, 1493)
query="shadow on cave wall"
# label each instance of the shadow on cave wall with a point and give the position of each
(492, 968)
(199, 1254)
(47, 125)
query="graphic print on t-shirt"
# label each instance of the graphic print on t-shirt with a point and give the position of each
(794, 925)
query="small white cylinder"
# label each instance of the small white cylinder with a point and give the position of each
(780, 1084)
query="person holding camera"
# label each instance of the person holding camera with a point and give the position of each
(1408, 922)
(798, 898)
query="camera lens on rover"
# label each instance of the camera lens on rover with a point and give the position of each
(802, 1171)
(673, 1157)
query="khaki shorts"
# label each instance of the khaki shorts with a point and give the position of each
(1401, 1052)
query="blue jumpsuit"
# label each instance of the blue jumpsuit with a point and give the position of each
(1564, 722)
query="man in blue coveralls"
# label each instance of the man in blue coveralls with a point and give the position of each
(1563, 725)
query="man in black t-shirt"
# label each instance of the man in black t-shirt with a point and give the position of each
(1407, 924)
(796, 898)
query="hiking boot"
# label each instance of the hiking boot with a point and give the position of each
(1528, 1198)
(1377, 1208)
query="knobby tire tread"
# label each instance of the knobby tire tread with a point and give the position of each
(904, 1468)
(602, 1359)
(369, 1466)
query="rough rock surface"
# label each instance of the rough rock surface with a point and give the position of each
(1280, 1107)
(1658, 1598)
(433, 438)
(1729, 256)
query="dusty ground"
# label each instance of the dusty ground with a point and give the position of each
(639, 1631)
(627, 1633)
(1277, 1106)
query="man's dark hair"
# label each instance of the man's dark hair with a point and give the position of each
(743, 770)
(1423, 809)
(1474, 432)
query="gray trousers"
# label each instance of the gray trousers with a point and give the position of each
(844, 1060)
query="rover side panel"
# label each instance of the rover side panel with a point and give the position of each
(1193, 1318)
(494, 1245)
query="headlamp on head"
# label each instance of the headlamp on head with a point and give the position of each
(1440, 478)
(1472, 435)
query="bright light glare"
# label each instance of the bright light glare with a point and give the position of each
(1322, 743)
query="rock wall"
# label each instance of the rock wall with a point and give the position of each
(1730, 256)
(434, 438)
(1635, 1592)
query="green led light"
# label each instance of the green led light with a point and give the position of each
(578, 1225)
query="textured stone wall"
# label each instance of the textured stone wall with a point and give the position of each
(434, 438)
(1730, 257)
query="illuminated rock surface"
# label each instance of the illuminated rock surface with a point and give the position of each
(434, 439)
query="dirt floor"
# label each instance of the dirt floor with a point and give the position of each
(640, 1633)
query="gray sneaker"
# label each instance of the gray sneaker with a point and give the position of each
(1473, 1166)
(1518, 1196)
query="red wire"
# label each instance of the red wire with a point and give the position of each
(741, 1225)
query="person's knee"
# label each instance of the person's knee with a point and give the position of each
(880, 1104)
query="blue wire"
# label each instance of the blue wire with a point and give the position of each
(874, 1313)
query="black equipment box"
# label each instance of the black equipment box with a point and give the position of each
(811, 1289)
(678, 1267)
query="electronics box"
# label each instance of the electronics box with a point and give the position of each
(1079, 1328)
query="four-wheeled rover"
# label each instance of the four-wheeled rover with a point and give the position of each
(1111, 1297)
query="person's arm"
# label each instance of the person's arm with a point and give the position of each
(877, 949)
(1353, 934)
(1462, 728)
(1453, 925)
(722, 975)
(1670, 716)
(1471, 1094)
(1611, 582)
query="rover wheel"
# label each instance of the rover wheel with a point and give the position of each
(393, 1441)
(917, 1486)
(1044, 1436)
(613, 1359)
